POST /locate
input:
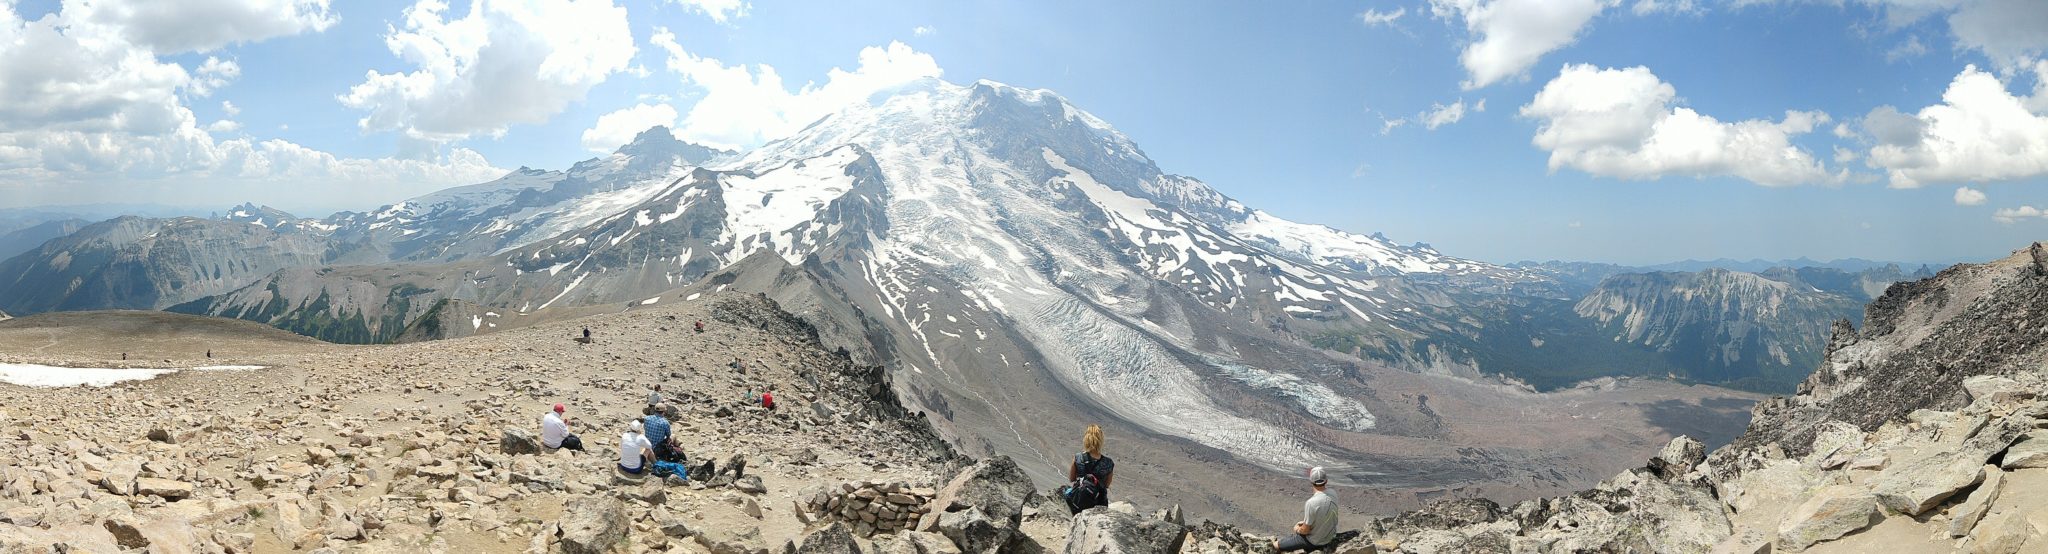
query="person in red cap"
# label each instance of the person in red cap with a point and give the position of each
(554, 432)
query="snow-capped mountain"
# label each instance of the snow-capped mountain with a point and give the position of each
(1006, 251)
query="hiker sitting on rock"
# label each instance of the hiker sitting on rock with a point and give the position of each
(554, 433)
(658, 433)
(635, 453)
(1318, 525)
(654, 397)
(667, 449)
(1090, 473)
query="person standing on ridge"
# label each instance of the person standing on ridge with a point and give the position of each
(1318, 525)
(554, 432)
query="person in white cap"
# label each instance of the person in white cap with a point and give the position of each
(635, 453)
(1318, 525)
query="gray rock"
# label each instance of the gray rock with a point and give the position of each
(127, 531)
(516, 440)
(1100, 531)
(974, 532)
(1832, 513)
(997, 490)
(2030, 452)
(592, 525)
(830, 539)
(1678, 457)
(750, 484)
(1964, 517)
(2002, 533)
(1914, 486)
(916, 542)
(1995, 389)
(163, 488)
(727, 540)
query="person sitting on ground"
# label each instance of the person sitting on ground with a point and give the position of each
(554, 432)
(635, 453)
(1091, 463)
(1318, 525)
(668, 450)
(654, 396)
(586, 333)
(658, 429)
(768, 399)
(700, 326)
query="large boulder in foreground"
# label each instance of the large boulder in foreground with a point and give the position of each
(995, 491)
(592, 525)
(517, 440)
(1104, 531)
(1832, 513)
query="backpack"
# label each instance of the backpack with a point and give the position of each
(1086, 490)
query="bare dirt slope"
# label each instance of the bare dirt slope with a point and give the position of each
(397, 447)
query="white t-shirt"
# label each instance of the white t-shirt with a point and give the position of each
(552, 430)
(629, 449)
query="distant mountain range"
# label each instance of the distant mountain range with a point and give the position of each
(1008, 254)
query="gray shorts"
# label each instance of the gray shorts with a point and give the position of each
(1296, 543)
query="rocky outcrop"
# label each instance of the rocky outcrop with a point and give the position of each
(592, 525)
(1106, 531)
(981, 507)
(1731, 327)
(869, 508)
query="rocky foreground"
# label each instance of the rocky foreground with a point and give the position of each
(1926, 431)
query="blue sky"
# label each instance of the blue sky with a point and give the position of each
(1612, 130)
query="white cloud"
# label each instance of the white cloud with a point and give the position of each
(1622, 123)
(214, 74)
(1966, 196)
(2014, 215)
(1375, 18)
(923, 30)
(1440, 115)
(1513, 34)
(1647, 7)
(86, 114)
(1979, 132)
(229, 108)
(721, 11)
(1387, 126)
(619, 127)
(168, 27)
(2010, 32)
(740, 107)
(1912, 48)
(501, 64)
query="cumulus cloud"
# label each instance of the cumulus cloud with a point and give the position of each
(1375, 18)
(1966, 196)
(87, 112)
(2010, 32)
(2015, 215)
(1979, 132)
(923, 30)
(202, 25)
(1623, 123)
(741, 107)
(1511, 35)
(502, 63)
(229, 108)
(619, 127)
(721, 11)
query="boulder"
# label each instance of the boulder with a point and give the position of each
(1832, 513)
(729, 540)
(119, 477)
(1100, 531)
(516, 440)
(2030, 452)
(750, 484)
(1678, 458)
(830, 539)
(915, 542)
(163, 435)
(997, 490)
(974, 532)
(1995, 389)
(127, 531)
(592, 525)
(1914, 486)
(163, 488)
(2002, 533)
(703, 472)
(1964, 517)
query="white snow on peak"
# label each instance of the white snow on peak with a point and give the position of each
(1326, 246)
(783, 197)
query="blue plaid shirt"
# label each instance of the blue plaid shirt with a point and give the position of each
(657, 429)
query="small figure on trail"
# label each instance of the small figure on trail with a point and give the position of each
(738, 365)
(554, 432)
(209, 354)
(586, 333)
(124, 356)
(635, 453)
(700, 326)
(1318, 525)
(768, 400)
(1090, 474)
(654, 396)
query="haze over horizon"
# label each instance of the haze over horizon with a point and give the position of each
(1500, 130)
